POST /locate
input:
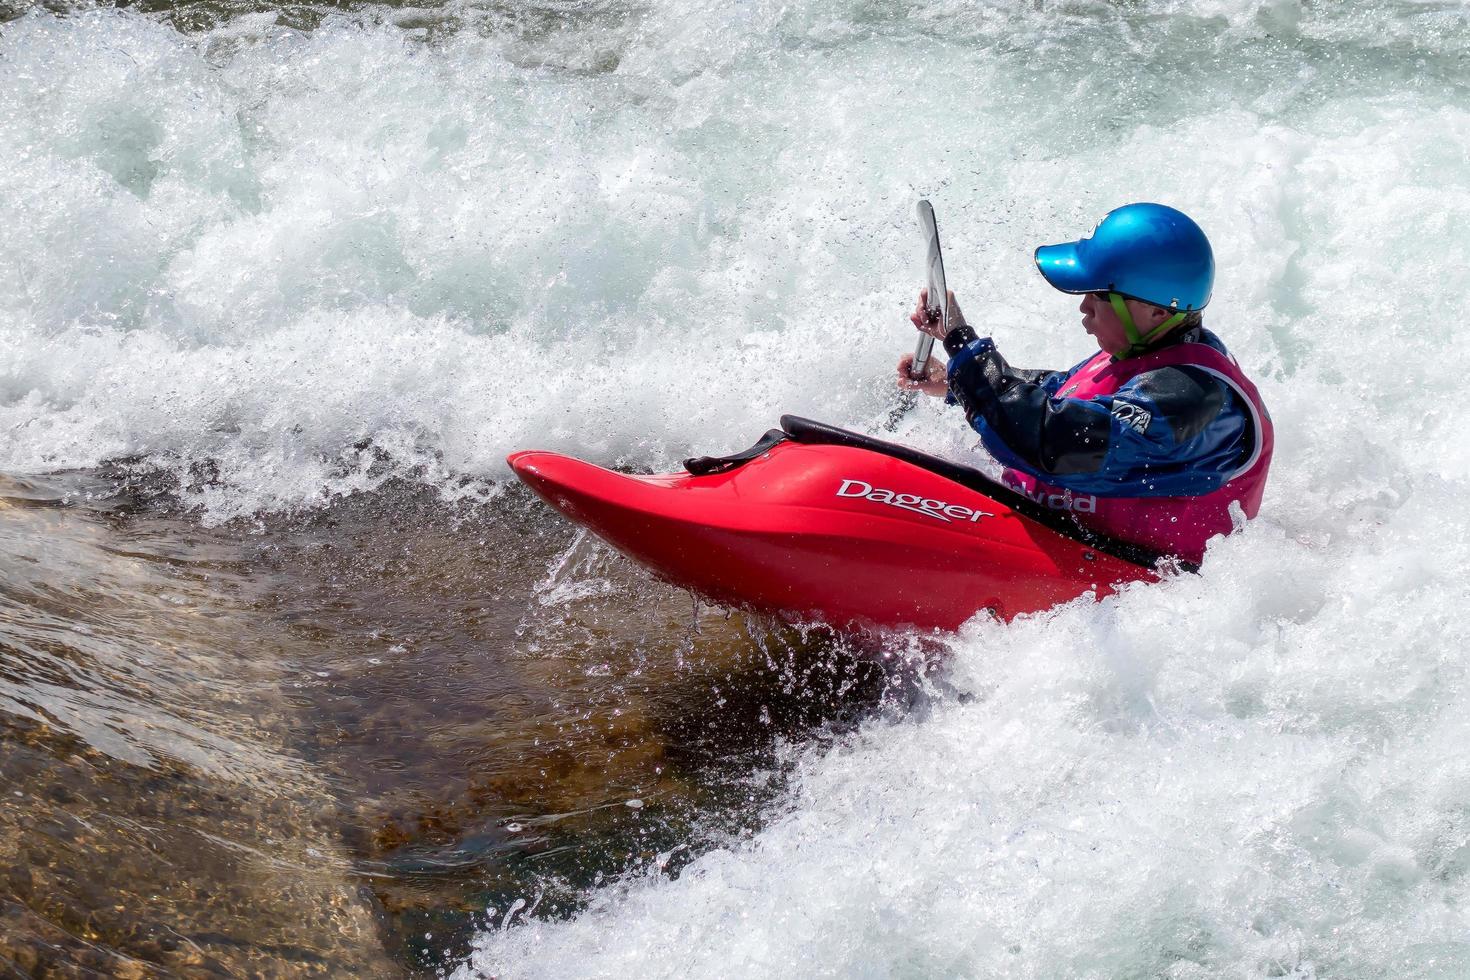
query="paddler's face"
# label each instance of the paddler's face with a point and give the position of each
(1100, 320)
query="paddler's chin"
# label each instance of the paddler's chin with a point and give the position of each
(1105, 342)
(1099, 320)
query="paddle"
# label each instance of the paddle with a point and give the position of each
(934, 268)
(934, 274)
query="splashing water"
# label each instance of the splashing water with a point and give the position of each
(637, 231)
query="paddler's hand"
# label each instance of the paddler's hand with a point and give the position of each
(932, 326)
(934, 383)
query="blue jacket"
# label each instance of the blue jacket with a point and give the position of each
(1170, 432)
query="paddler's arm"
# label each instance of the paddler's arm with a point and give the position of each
(1040, 432)
(1173, 431)
(1018, 403)
(935, 382)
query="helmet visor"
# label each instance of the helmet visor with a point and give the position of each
(1063, 267)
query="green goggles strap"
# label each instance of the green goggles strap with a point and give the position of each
(1137, 344)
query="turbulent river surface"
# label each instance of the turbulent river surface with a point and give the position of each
(295, 680)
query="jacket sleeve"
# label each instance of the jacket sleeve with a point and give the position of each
(1174, 431)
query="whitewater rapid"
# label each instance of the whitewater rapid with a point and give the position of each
(409, 241)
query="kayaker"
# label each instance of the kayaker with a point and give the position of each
(1153, 439)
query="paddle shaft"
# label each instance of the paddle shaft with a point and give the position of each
(920, 367)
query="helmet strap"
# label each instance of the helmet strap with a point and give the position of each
(1136, 343)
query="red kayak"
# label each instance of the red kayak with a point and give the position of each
(817, 523)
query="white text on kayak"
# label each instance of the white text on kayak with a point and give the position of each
(929, 507)
(1077, 503)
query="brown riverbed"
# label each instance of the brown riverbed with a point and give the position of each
(339, 742)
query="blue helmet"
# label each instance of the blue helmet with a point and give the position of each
(1147, 252)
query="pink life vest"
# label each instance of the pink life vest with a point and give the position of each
(1174, 525)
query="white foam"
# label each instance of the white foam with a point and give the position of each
(644, 235)
(1253, 772)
